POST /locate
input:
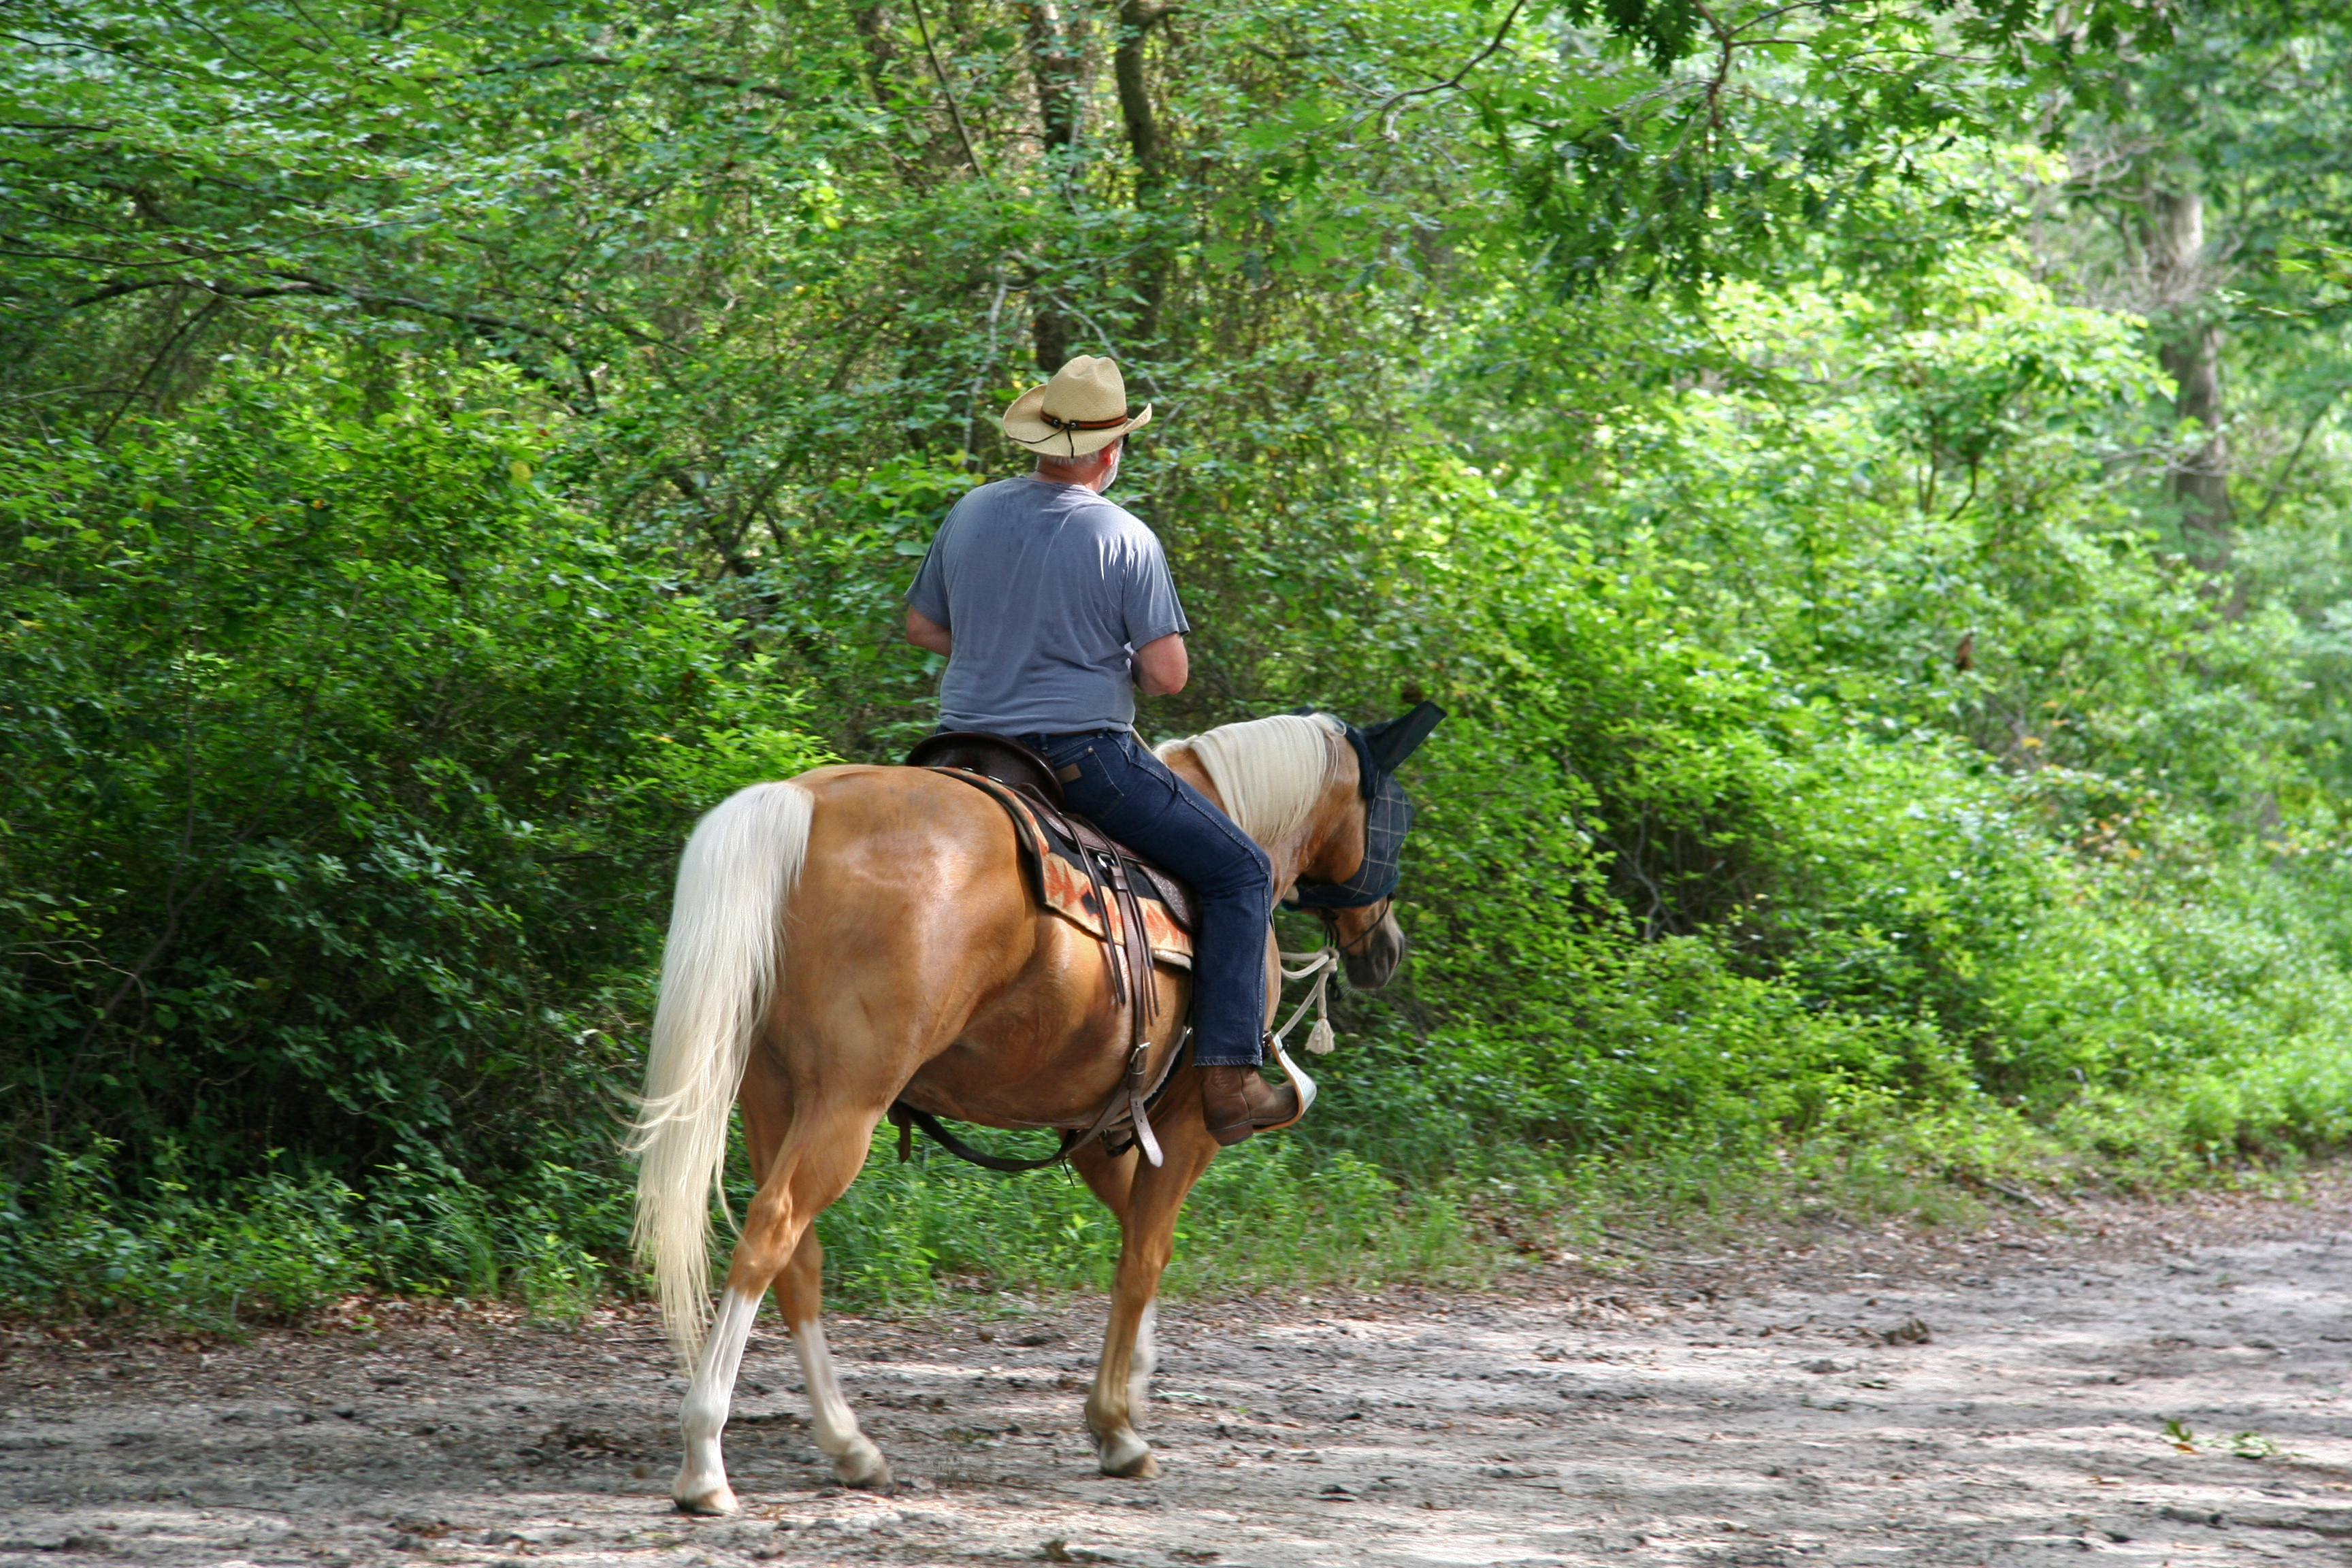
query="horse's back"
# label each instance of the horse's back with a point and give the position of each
(903, 832)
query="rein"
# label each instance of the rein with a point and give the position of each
(1324, 962)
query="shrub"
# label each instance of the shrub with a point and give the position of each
(348, 767)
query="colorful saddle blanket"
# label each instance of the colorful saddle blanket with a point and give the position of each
(1057, 873)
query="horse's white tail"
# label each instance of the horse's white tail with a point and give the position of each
(718, 972)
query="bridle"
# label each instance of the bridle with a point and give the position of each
(1330, 919)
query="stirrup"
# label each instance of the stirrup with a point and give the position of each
(1304, 1085)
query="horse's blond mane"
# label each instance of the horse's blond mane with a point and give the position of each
(1269, 772)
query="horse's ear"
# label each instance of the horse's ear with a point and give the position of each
(1392, 743)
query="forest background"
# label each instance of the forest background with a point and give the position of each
(1871, 482)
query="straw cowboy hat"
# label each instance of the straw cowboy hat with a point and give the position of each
(1083, 409)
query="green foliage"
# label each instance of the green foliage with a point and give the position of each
(79, 1244)
(905, 1229)
(443, 450)
(276, 1247)
(347, 761)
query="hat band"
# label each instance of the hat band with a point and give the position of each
(1119, 419)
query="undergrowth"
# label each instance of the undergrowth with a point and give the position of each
(2165, 1045)
(1274, 1215)
(1668, 1090)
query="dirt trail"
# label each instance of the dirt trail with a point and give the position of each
(1767, 1408)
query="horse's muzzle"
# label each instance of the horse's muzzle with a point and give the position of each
(1373, 961)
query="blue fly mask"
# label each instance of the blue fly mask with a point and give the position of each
(1388, 814)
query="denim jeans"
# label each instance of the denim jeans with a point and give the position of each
(1131, 795)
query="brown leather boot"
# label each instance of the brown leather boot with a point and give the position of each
(1240, 1102)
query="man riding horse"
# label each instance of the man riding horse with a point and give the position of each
(1053, 605)
(863, 938)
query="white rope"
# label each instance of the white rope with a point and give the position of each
(1325, 962)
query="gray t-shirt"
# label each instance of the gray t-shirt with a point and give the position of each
(1048, 590)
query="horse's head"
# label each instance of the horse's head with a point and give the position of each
(1348, 873)
(1322, 798)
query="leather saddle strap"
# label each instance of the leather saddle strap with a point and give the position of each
(1147, 987)
(905, 1115)
(1146, 1007)
(1140, 1120)
(1080, 834)
(1134, 986)
(1139, 1103)
(1115, 864)
(1123, 985)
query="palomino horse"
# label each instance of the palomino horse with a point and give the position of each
(862, 934)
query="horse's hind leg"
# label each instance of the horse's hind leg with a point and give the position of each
(701, 1485)
(816, 1159)
(800, 1292)
(1147, 1199)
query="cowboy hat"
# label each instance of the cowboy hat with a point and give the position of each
(1083, 409)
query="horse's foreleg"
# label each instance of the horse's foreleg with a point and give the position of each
(1112, 1179)
(817, 1159)
(1143, 1358)
(1151, 1197)
(800, 1291)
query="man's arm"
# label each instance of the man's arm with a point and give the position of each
(927, 633)
(1161, 667)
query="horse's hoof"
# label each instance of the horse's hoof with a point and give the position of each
(1128, 1455)
(709, 1501)
(864, 1467)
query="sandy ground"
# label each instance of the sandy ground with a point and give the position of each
(1778, 1405)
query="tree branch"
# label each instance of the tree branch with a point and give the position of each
(955, 112)
(1389, 111)
(1726, 41)
(196, 319)
(2294, 459)
(117, 290)
(300, 285)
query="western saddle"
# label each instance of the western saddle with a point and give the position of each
(999, 765)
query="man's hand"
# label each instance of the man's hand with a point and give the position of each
(927, 633)
(1161, 667)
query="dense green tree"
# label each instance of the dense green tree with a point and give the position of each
(2210, 192)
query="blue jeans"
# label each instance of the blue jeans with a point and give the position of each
(1131, 795)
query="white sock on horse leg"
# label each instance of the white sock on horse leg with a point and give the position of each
(1113, 1405)
(1143, 1362)
(702, 1480)
(832, 1422)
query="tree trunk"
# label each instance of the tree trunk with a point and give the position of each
(873, 32)
(1136, 20)
(1057, 54)
(2190, 351)
(1049, 330)
(1056, 65)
